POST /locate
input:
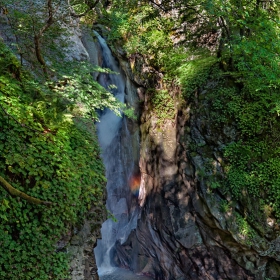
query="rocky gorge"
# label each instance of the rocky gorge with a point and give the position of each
(192, 177)
(183, 232)
(185, 228)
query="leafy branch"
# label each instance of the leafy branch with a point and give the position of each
(90, 6)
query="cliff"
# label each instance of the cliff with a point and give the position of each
(193, 223)
(191, 226)
(204, 81)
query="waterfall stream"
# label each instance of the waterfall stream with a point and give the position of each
(115, 141)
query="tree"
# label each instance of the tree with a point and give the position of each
(40, 39)
(36, 33)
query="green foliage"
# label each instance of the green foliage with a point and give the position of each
(51, 157)
(245, 232)
(118, 22)
(82, 92)
(251, 164)
(247, 96)
(111, 216)
(163, 105)
(225, 206)
(68, 83)
(194, 73)
(254, 169)
(141, 30)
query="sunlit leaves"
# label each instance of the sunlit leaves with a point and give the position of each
(77, 86)
(50, 157)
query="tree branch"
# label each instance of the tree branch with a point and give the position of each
(49, 21)
(158, 5)
(223, 25)
(14, 192)
(38, 36)
(79, 15)
(90, 4)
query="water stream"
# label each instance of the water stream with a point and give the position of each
(115, 141)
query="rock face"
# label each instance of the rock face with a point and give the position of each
(83, 265)
(186, 229)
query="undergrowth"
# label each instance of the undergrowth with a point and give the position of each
(50, 156)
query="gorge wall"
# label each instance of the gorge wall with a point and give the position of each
(188, 229)
(193, 182)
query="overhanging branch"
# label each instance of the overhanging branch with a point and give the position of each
(14, 192)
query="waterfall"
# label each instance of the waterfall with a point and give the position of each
(115, 141)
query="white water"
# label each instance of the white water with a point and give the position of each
(123, 274)
(115, 142)
(109, 122)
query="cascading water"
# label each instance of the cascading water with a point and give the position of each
(115, 141)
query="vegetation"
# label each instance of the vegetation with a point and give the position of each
(51, 173)
(163, 105)
(49, 157)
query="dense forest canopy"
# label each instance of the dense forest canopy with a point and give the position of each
(49, 149)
